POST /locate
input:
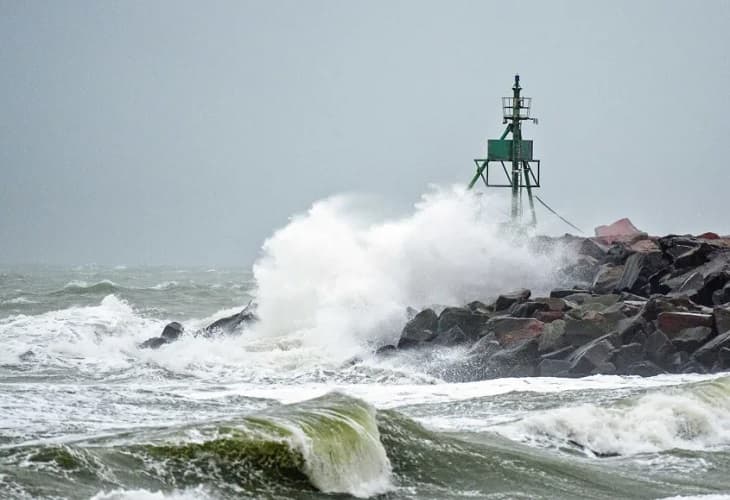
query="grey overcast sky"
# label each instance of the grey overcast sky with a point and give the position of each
(177, 132)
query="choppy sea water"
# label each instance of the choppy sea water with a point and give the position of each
(86, 414)
(297, 406)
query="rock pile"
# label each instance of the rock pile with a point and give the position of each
(641, 305)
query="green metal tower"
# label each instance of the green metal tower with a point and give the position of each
(516, 152)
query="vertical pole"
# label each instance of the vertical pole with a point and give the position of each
(516, 153)
(526, 169)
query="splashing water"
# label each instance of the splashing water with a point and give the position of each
(336, 280)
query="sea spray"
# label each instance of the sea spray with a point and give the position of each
(337, 281)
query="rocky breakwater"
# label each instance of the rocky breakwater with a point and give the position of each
(637, 305)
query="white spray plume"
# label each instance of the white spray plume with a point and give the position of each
(335, 280)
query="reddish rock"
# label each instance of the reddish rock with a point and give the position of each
(548, 316)
(621, 230)
(673, 322)
(709, 236)
(511, 331)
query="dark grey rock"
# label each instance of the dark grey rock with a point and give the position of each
(708, 354)
(690, 339)
(506, 300)
(553, 336)
(721, 316)
(560, 293)
(644, 369)
(581, 331)
(172, 331)
(607, 278)
(588, 357)
(563, 353)
(451, 337)
(470, 322)
(659, 348)
(626, 355)
(553, 368)
(422, 328)
(527, 309)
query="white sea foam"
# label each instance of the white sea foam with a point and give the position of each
(198, 493)
(692, 417)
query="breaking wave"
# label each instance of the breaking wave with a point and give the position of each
(691, 417)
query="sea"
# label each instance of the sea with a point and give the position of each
(299, 406)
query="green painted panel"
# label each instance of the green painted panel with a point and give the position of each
(501, 150)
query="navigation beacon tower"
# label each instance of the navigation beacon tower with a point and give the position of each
(525, 173)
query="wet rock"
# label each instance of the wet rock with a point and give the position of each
(581, 331)
(528, 309)
(172, 331)
(548, 316)
(659, 348)
(553, 368)
(506, 300)
(644, 369)
(635, 329)
(721, 296)
(509, 331)
(516, 361)
(721, 315)
(229, 324)
(451, 337)
(626, 355)
(471, 323)
(479, 307)
(708, 354)
(553, 303)
(672, 323)
(607, 278)
(617, 254)
(593, 248)
(154, 343)
(560, 293)
(620, 230)
(553, 337)
(638, 269)
(590, 356)
(562, 353)
(606, 368)
(690, 339)
(422, 328)
(386, 350)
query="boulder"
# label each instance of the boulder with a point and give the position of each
(548, 316)
(607, 278)
(172, 331)
(528, 309)
(589, 357)
(721, 296)
(708, 354)
(506, 300)
(582, 331)
(470, 322)
(516, 361)
(626, 355)
(562, 353)
(422, 328)
(154, 343)
(560, 293)
(592, 248)
(451, 337)
(659, 348)
(721, 315)
(690, 339)
(638, 269)
(228, 325)
(553, 337)
(671, 323)
(621, 230)
(644, 369)
(553, 368)
(509, 331)
(554, 303)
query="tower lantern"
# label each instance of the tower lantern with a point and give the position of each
(515, 152)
